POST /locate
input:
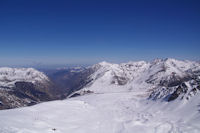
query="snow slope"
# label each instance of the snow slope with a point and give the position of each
(125, 112)
(119, 102)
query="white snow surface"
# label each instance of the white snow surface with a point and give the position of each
(125, 112)
(9, 76)
(113, 108)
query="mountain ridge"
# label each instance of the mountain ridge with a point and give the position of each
(150, 97)
(160, 73)
(165, 79)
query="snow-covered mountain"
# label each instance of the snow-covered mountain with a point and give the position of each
(161, 78)
(22, 86)
(162, 96)
(9, 76)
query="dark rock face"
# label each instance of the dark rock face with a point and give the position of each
(174, 81)
(181, 89)
(29, 90)
(178, 90)
(119, 80)
(24, 94)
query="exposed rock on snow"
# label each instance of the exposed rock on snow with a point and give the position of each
(22, 87)
(161, 77)
(9, 76)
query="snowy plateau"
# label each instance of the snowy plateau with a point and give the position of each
(162, 96)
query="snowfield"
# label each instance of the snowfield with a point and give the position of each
(118, 102)
(125, 112)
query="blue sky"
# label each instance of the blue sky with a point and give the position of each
(86, 32)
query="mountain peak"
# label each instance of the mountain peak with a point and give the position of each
(104, 63)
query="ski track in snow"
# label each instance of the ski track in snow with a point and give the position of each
(99, 113)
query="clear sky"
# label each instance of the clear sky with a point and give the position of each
(89, 31)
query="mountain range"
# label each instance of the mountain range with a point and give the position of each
(158, 96)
